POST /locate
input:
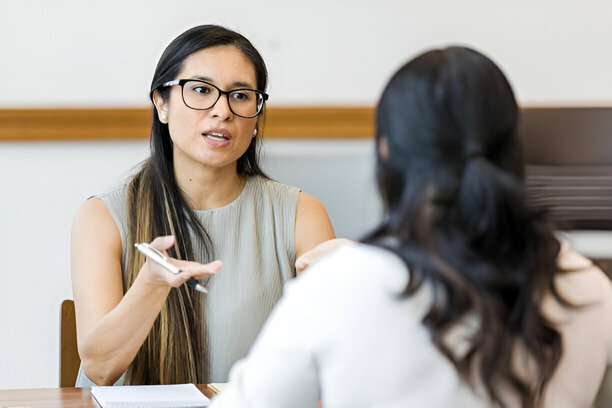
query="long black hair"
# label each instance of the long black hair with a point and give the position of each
(456, 213)
(156, 206)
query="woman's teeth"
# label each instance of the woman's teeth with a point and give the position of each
(216, 137)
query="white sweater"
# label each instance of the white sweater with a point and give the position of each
(341, 335)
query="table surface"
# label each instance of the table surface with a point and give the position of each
(58, 397)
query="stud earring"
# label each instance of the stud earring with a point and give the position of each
(255, 132)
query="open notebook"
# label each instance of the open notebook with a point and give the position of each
(132, 396)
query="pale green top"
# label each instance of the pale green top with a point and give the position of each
(254, 237)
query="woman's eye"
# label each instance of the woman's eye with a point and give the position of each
(201, 89)
(240, 96)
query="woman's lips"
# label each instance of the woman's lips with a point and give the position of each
(217, 137)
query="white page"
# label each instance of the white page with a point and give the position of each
(175, 395)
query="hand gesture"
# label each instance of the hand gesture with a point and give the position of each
(320, 251)
(158, 275)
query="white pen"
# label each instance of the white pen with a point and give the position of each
(159, 258)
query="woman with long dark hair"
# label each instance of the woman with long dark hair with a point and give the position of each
(201, 196)
(462, 296)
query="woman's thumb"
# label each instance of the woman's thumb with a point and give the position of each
(163, 243)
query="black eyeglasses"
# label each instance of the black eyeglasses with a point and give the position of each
(202, 95)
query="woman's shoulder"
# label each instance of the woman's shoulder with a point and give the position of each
(581, 290)
(579, 281)
(113, 203)
(272, 197)
(114, 194)
(110, 201)
(264, 184)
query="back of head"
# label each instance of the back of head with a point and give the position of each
(445, 108)
(450, 173)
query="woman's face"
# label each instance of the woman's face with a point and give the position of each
(215, 137)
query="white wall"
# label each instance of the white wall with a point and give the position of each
(102, 53)
(73, 52)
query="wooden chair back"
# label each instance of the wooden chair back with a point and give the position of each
(69, 356)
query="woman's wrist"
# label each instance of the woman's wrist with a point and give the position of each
(150, 283)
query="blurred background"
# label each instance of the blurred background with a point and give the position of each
(68, 54)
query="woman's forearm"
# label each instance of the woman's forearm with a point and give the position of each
(112, 343)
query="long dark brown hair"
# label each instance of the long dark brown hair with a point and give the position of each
(456, 213)
(174, 350)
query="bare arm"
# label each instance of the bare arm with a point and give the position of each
(111, 327)
(312, 224)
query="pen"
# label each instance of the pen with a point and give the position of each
(159, 258)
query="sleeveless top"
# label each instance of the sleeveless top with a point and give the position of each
(254, 237)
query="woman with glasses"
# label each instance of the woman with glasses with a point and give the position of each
(462, 296)
(203, 202)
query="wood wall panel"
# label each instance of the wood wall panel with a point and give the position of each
(64, 124)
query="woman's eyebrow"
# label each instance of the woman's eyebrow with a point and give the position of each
(242, 85)
(202, 78)
(237, 84)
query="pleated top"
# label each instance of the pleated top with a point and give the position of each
(254, 237)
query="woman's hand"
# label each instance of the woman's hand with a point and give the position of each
(320, 251)
(156, 274)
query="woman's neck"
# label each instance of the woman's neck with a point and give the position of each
(207, 187)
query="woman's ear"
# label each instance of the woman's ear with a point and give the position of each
(161, 105)
(383, 147)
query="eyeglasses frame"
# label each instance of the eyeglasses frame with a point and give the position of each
(182, 83)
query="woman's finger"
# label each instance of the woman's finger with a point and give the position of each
(198, 270)
(163, 243)
(194, 270)
(320, 251)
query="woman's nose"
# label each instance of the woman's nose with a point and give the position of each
(221, 108)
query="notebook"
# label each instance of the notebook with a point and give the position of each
(133, 396)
